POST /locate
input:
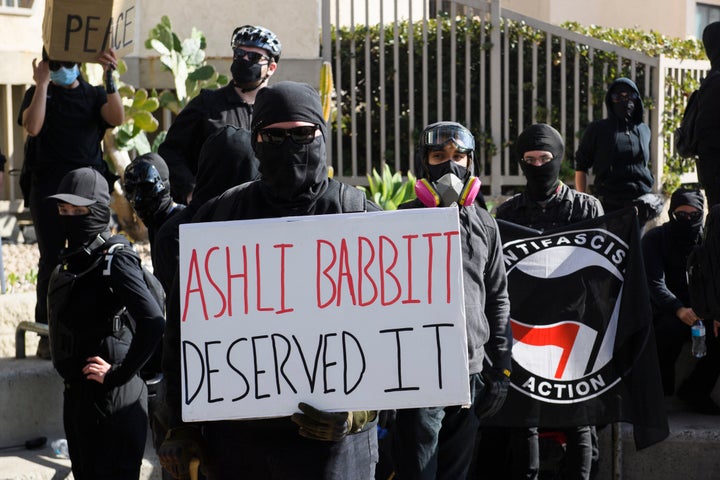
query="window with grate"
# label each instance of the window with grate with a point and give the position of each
(704, 15)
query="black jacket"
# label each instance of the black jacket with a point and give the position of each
(565, 207)
(487, 305)
(605, 141)
(204, 115)
(708, 116)
(94, 299)
(665, 267)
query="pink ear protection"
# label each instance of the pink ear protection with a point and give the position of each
(426, 193)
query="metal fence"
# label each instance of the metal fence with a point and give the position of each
(471, 61)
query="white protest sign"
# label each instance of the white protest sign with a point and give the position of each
(344, 312)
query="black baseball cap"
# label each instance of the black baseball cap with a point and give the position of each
(83, 187)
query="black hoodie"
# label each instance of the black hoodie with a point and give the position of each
(708, 117)
(618, 150)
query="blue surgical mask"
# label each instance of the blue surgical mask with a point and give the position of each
(64, 76)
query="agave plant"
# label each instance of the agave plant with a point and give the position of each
(186, 60)
(389, 189)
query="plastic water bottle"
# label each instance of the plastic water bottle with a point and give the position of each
(697, 332)
(60, 447)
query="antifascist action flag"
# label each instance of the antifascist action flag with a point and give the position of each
(583, 344)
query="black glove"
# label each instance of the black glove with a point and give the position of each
(180, 447)
(494, 394)
(320, 425)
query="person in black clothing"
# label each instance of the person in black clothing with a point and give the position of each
(438, 442)
(65, 118)
(146, 185)
(95, 351)
(708, 120)
(617, 148)
(288, 138)
(546, 203)
(666, 249)
(226, 160)
(256, 52)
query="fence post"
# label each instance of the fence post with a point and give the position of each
(657, 143)
(495, 100)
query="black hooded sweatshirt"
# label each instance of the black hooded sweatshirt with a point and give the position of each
(708, 116)
(618, 151)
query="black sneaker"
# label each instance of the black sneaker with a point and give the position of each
(43, 349)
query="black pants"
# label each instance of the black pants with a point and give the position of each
(514, 453)
(708, 170)
(274, 450)
(106, 429)
(437, 442)
(670, 336)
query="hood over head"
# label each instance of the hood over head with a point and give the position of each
(625, 84)
(226, 160)
(711, 42)
(293, 174)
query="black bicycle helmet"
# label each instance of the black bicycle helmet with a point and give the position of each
(261, 37)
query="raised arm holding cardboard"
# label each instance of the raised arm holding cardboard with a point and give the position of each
(66, 118)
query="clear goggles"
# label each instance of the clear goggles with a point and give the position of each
(438, 137)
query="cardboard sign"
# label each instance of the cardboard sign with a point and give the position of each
(78, 30)
(344, 312)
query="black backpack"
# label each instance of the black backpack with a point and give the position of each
(153, 367)
(686, 135)
(121, 324)
(703, 270)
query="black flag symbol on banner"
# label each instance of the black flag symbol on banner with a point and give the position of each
(583, 344)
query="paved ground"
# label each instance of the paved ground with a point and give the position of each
(43, 464)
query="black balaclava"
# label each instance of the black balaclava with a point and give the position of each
(291, 175)
(543, 180)
(629, 112)
(84, 187)
(686, 231)
(226, 160)
(147, 188)
(711, 42)
(623, 109)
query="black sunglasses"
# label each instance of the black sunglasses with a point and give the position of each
(254, 57)
(688, 216)
(619, 97)
(299, 135)
(55, 65)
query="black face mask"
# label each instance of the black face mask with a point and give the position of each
(685, 230)
(290, 170)
(436, 172)
(246, 73)
(149, 208)
(624, 110)
(542, 181)
(82, 230)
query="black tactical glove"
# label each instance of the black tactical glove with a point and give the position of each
(494, 394)
(327, 426)
(180, 447)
